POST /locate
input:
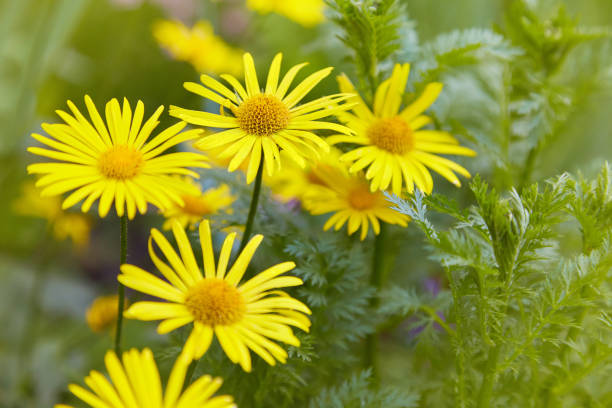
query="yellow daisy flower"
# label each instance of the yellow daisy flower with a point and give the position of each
(199, 46)
(243, 316)
(197, 206)
(114, 162)
(264, 122)
(64, 225)
(102, 313)
(350, 199)
(305, 12)
(29, 203)
(395, 149)
(73, 226)
(135, 382)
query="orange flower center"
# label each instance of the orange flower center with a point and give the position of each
(361, 198)
(393, 135)
(314, 179)
(195, 205)
(262, 115)
(120, 162)
(215, 302)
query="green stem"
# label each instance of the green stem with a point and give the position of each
(528, 167)
(253, 208)
(377, 280)
(190, 371)
(488, 379)
(120, 288)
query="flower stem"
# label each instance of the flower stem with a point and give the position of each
(488, 381)
(120, 288)
(528, 167)
(253, 208)
(377, 280)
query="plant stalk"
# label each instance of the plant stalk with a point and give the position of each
(528, 167)
(377, 280)
(121, 288)
(488, 380)
(253, 208)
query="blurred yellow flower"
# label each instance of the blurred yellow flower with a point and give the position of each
(199, 46)
(135, 382)
(31, 204)
(293, 182)
(198, 206)
(74, 226)
(264, 121)
(393, 147)
(63, 225)
(305, 12)
(243, 316)
(349, 197)
(102, 314)
(114, 162)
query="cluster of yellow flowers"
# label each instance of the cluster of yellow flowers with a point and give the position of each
(116, 162)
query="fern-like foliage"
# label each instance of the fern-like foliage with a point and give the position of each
(528, 323)
(370, 28)
(356, 392)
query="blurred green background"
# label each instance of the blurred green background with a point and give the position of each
(57, 50)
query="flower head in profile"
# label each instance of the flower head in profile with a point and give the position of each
(114, 161)
(63, 224)
(135, 382)
(305, 12)
(197, 206)
(199, 46)
(264, 122)
(244, 316)
(350, 199)
(102, 313)
(394, 148)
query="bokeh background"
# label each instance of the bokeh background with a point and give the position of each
(57, 50)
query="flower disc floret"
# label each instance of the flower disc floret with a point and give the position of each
(262, 115)
(392, 134)
(360, 198)
(215, 302)
(120, 162)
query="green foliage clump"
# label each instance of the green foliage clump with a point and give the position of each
(529, 321)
